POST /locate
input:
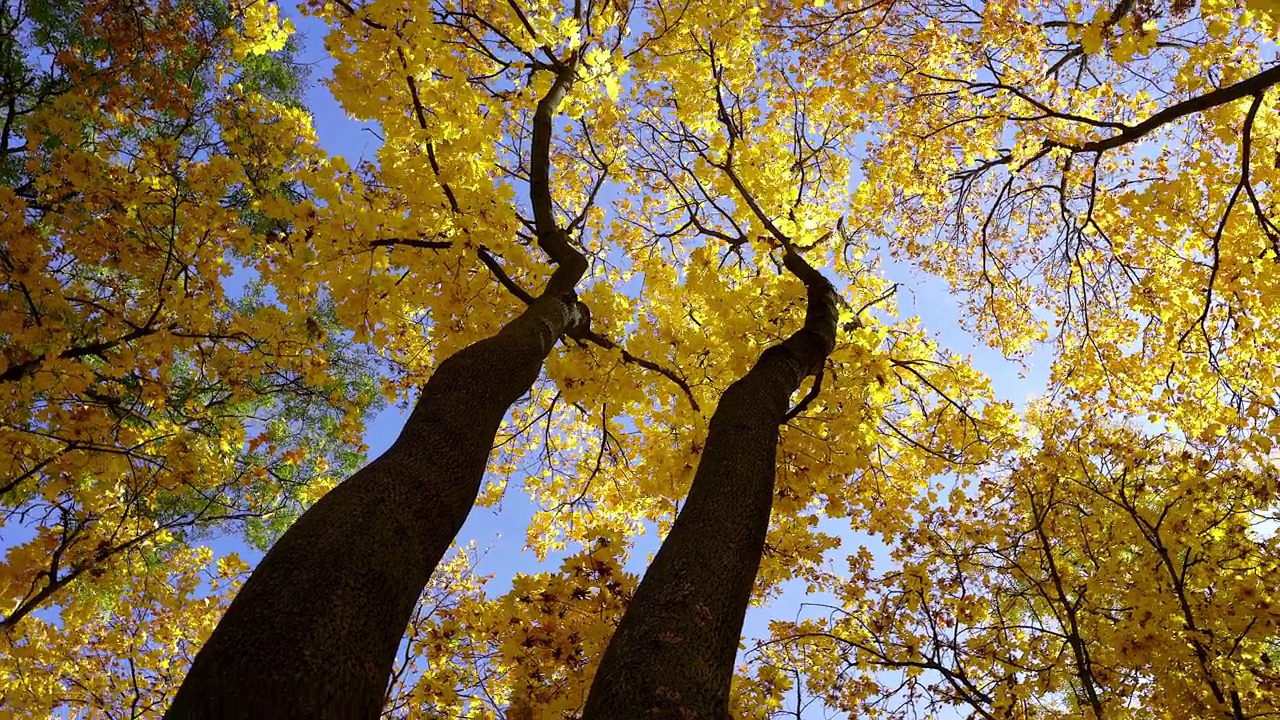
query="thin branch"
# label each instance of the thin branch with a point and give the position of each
(410, 242)
(491, 262)
(808, 398)
(604, 342)
(1250, 86)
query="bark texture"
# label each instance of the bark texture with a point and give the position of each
(673, 653)
(314, 631)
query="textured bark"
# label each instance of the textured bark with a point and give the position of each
(314, 631)
(673, 653)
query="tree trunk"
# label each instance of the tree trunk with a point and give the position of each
(673, 653)
(314, 631)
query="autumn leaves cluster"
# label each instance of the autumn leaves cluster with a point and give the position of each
(201, 306)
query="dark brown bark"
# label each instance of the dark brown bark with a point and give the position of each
(314, 631)
(673, 653)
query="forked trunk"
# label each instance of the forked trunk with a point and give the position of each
(673, 653)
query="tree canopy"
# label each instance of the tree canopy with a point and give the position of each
(202, 305)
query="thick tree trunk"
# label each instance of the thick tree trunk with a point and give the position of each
(673, 653)
(314, 631)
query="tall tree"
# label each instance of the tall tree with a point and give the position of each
(709, 173)
(138, 410)
(674, 650)
(314, 630)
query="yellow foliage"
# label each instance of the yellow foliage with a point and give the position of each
(195, 321)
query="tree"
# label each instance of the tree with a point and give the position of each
(674, 650)
(1095, 176)
(821, 182)
(139, 412)
(315, 629)
(1107, 570)
(1060, 166)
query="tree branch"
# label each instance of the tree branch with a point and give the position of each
(491, 262)
(604, 342)
(1250, 86)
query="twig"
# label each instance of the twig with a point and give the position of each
(808, 398)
